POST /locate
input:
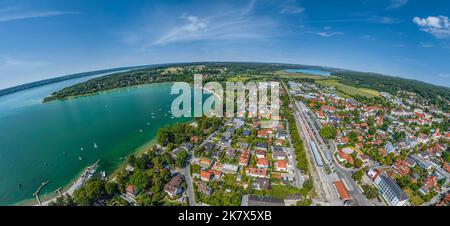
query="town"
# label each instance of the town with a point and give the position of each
(326, 147)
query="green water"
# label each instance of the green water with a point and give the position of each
(40, 142)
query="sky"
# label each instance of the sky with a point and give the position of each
(50, 38)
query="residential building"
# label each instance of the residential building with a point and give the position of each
(261, 184)
(390, 191)
(173, 188)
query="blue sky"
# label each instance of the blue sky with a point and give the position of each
(48, 38)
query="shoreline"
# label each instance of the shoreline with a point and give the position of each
(99, 92)
(71, 187)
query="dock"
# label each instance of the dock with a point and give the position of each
(36, 194)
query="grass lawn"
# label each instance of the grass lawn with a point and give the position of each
(349, 90)
(416, 200)
(284, 74)
(239, 78)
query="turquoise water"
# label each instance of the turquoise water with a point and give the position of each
(45, 141)
(309, 71)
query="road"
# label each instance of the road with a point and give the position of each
(316, 174)
(309, 129)
(337, 172)
(190, 187)
(298, 178)
(326, 180)
(436, 198)
(187, 173)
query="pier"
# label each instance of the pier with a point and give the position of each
(36, 194)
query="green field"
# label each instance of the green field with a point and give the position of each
(239, 78)
(283, 74)
(349, 90)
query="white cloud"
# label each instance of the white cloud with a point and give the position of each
(426, 45)
(229, 25)
(329, 34)
(195, 28)
(395, 4)
(12, 62)
(291, 7)
(438, 26)
(14, 13)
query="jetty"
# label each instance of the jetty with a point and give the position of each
(36, 194)
(85, 176)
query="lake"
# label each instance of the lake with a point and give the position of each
(55, 141)
(309, 71)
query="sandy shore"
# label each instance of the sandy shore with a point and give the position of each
(70, 189)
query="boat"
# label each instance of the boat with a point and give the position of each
(79, 158)
(95, 145)
(82, 149)
(148, 124)
(103, 174)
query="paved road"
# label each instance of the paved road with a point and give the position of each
(187, 173)
(298, 178)
(315, 174)
(190, 186)
(310, 128)
(436, 198)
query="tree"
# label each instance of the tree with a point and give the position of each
(144, 199)
(369, 191)
(358, 175)
(446, 156)
(140, 180)
(111, 188)
(358, 163)
(328, 132)
(372, 130)
(93, 192)
(181, 158)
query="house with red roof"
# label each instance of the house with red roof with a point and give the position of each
(321, 115)
(280, 165)
(343, 140)
(195, 139)
(344, 157)
(263, 133)
(205, 175)
(244, 158)
(255, 172)
(342, 190)
(260, 154)
(328, 109)
(216, 174)
(262, 163)
(446, 167)
(131, 191)
(402, 167)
